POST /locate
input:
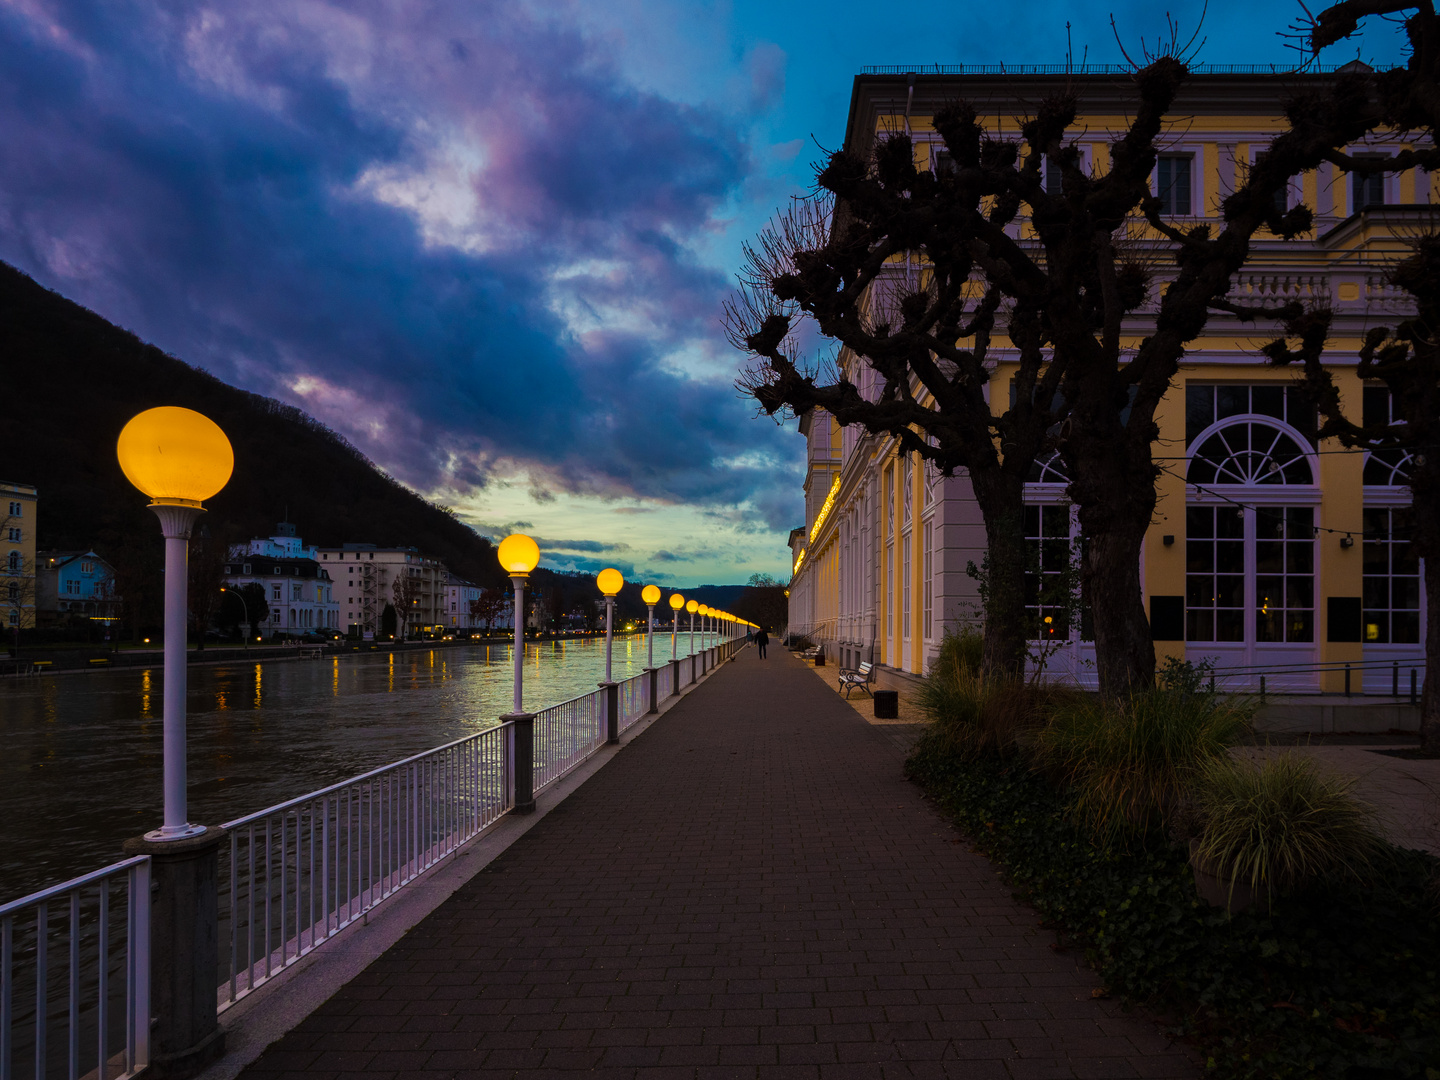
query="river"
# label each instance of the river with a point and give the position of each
(80, 754)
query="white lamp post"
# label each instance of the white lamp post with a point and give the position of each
(651, 595)
(519, 555)
(610, 582)
(677, 602)
(178, 458)
(692, 606)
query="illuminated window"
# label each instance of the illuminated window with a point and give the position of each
(1391, 580)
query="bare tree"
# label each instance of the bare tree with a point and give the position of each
(405, 591)
(488, 606)
(1403, 432)
(17, 584)
(915, 273)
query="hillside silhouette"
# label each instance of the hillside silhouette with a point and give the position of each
(72, 380)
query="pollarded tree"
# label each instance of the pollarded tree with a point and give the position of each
(1401, 425)
(1062, 303)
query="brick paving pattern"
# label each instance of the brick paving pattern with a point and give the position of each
(748, 891)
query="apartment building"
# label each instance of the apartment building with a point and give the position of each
(365, 576)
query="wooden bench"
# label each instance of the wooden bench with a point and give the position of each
(857, 678)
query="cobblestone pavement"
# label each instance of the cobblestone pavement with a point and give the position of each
(748, 891)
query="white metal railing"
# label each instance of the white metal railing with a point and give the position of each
(634, 699)
(88, 1013)
(299, 872)
(664, 682)
(567, 734)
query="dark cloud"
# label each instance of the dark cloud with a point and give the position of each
(550, 546)
(455, 234)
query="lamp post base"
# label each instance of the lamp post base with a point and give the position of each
(184, 952)
(522, 761)
(166, 833)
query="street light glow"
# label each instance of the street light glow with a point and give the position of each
(518, 554)
(610, 581)
(175, 455)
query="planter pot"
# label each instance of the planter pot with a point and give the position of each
(1223, 892)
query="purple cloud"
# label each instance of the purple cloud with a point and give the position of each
(456, 234)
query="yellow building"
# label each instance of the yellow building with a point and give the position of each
(1271, 553)
(17, 555)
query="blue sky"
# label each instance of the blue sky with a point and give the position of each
(487, 242)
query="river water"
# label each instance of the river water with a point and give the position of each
(80, 754)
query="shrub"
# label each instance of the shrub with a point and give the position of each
(970, 713)
(1128, 762)
(1282, 824)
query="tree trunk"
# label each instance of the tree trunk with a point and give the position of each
(1430, 695)
(1110, 573)
(1002, 504)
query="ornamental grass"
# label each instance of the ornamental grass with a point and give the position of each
(1127, 763)
(1282, 824)
(970, 713)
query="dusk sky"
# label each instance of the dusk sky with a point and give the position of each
(487, 242)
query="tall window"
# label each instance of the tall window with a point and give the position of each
(1172, 184)
(1047, 536)
(1214, 573)
(928, 554)
(1367, 190)
(1054, 178)
(1392, 581)
(1285, 573)
(905, 586)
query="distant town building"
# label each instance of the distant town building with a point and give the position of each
(17, 554)
(459, 595)
(365, 575)
(299, 590)
(74, 586)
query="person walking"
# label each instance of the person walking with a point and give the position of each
(761, 640)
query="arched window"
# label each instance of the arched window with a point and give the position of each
(13, 563)
(1249, 452)
(1049, 469)
(1387, 468)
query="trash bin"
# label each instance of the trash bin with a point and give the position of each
(820, 658)
(887, 705)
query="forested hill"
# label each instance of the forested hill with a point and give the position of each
(70, 381)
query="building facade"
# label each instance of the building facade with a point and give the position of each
(17, 555)
(298, 589)
(365, 577)
(1271, 553)
(456, 611)
(74, 586)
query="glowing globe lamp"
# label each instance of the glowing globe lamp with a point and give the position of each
(692, 606)
(677, 601)
(519, 554)
(179, 459)
(175, 455)
(609, 581)
(651, 595)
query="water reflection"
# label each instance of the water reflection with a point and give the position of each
(81, 765)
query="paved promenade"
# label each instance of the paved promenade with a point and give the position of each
(750, 889)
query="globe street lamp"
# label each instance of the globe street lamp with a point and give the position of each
(610, 582)
(676, 603)
(651, 595)
(519, 555)
(692, 606)
(178, 458)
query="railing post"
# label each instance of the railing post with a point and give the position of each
(612, 711)
(654, 674)
(523, 757)
(184, 952)
(674, 677)
(1347, 680)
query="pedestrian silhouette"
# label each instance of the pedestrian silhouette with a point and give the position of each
(761, 640)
